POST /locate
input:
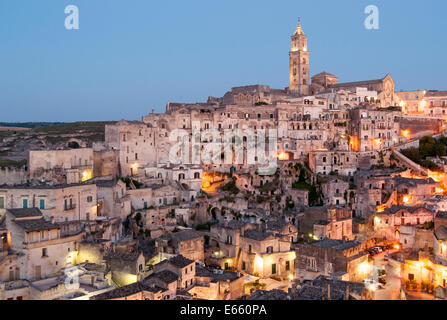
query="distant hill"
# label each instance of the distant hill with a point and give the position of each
(30, 125)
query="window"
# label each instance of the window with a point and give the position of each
(312, 263)
(42, 204)
(25, 203)
(270, 249)
(287, 265)
(249, 248)
(44, 252)
(243, 265)
(273, 268)
(2, 202)
(89, 199)
(410, 276)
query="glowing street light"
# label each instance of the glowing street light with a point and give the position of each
(405, 133)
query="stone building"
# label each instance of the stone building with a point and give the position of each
(126, 267)
(345, 260)
(250, 248)
(68, 202)
(214, 284)
(336, 191)
(435, 103)
(412, 102)
(113, 199)
(387, 223)
(71, 165)
(183, 267)
(187, 243)
(13, 176)
(34, 248)
(410, 191)
(324, 162)
(337, 227)
(374, 129)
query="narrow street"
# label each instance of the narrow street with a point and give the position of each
(391, 290)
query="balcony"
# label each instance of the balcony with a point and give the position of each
(70, 208)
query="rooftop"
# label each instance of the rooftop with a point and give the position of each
(441, 233)
(164, 275)
(220, 275)
(178, 261)
(409, 209)
(412, 182)
(35, 225)
(25, 212)
(335, 244)
(126, 291)
(257, 235)
(186, 235)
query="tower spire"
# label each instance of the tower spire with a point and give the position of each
(299, 30)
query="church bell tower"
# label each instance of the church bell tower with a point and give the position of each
(299, 63)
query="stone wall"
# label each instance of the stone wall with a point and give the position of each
(420, 127)
(105, 163)
(13, 176)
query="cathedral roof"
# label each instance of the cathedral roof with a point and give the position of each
(324, 73)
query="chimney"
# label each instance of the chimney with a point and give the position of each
(329, 291)
(347, 292)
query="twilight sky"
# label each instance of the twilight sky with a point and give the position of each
(132, 56)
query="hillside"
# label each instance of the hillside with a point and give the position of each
(15, 143)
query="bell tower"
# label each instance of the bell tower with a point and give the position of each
(299, 63)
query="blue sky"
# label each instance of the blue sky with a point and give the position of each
(130, 57)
